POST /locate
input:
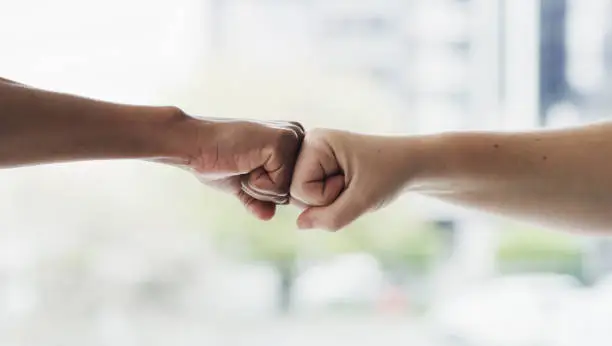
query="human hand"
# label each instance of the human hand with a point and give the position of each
(340, 175)
(252, 160)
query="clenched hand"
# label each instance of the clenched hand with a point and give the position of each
(253, 160)
(341, 175)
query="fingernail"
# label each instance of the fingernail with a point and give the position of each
(304, 223)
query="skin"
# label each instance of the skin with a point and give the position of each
(252, 160)
(559, 178)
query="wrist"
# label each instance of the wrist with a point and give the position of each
(426, 160)
(448, 160)
(171, 136)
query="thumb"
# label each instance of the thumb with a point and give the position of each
(343, 211)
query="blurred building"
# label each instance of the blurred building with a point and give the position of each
(575, 60)
(554, 88)
(438, 57)
(420, 51)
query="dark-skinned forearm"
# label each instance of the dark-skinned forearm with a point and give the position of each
(38, 126)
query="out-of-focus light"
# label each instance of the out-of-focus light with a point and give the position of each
(586, 39)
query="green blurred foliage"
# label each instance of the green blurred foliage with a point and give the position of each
(534, 244)
(528, 249)
(393, 235)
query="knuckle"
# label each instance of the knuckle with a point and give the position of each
(321, 132)
(285, 144)
(316, 133)
(287, 137)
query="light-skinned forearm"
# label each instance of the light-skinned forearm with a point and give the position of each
(38, 126)
(561, 178)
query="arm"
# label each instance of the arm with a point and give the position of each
(38, 126)
(250, 159)
(561, 178)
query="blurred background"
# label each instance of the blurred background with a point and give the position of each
(130, 253)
